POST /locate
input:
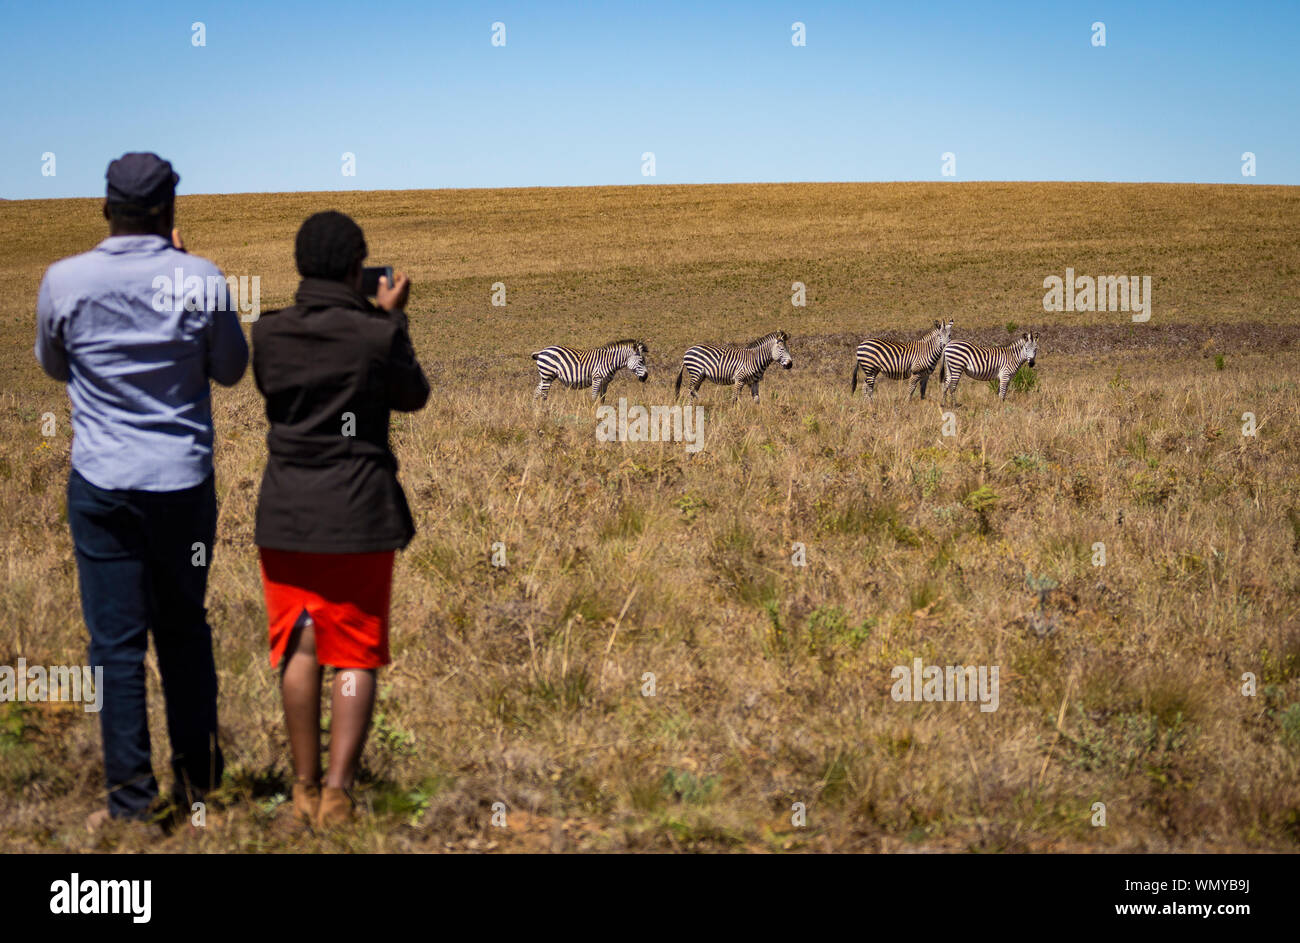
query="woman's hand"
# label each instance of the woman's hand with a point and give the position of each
(393, 297)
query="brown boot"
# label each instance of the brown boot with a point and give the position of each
(306, 802)
(335, 807)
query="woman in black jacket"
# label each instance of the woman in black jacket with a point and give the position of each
(331, 513)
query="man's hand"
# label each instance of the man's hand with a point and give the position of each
(393, 297)
(177, 241)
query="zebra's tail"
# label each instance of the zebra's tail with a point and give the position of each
(856, 366)
(943, 369)
(677, 386)
(535, 355)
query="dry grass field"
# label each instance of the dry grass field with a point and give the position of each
(1120, 684)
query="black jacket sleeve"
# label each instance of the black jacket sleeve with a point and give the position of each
(408, 388)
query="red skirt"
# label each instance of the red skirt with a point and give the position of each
(346, 595)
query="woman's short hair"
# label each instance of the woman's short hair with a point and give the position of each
(329, 244)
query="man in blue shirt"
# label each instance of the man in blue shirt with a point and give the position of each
(136, 328)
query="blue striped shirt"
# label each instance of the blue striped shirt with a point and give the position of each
(125, 328)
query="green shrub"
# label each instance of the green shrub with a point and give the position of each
(1024, 380)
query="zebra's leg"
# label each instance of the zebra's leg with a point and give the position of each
(911, 387)
(736, 386)
(753, 388)
(1004, 379)
(950, 388)
(696, 380)
(543, 385)
(924, 377)
(597, 387)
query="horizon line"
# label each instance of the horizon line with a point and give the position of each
(628, 186)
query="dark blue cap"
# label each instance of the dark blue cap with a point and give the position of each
(145, 180)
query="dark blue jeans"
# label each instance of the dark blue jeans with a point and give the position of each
(136, 562)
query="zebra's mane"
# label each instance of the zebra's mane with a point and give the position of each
(766, 338)
(1017, 343)
(627, 342)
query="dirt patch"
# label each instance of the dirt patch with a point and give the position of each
(832, 354)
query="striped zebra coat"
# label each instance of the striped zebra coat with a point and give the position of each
(594, 367)
(916, 359)
(981, 362)
(738, 366)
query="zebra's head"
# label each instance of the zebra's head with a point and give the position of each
(775, 345)
(781, 353)
(943, 332)
(1028, 347)
(636, 359)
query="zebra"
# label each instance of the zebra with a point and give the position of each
(985, 363)
(916, 359)
(594, 367)
(739, 366)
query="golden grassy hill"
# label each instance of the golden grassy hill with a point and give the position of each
(1121, 683)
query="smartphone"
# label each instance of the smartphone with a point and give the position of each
(370, 279)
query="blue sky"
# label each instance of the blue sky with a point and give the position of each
(579, 92)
